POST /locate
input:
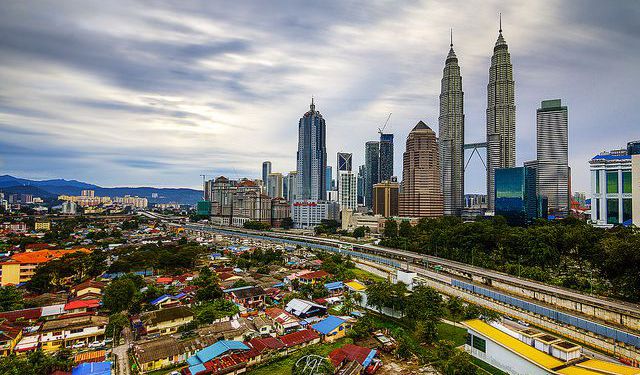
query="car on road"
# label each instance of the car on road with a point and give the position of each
(523, 323)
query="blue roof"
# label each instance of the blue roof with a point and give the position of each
(327, 325)
(160, 299)
(196, 368)
(215, 350)
(611, 157)
(369, 358)
(334, 285)
(92, 368)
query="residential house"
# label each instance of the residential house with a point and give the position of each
(238, 329)
(91, 287)
(342, 358)
(167, 351)
(313, 277)
(304, 309)
(224, 348)
(296, 340)
(283, 322)
(332, 327)
(165, 321)
(264, 325)
(267, 346)
(65, 332)
(10, 335)
(247, 296)
(19, 268)
(82, 306)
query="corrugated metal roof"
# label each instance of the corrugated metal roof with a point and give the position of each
(327, 325)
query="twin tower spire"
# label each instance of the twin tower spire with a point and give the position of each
(500, 125)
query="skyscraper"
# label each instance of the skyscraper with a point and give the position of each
(451, 135)
(312, 155)
(421, 194)
(347, 190)
(361, 180)
(266, 169)
(371, 160)
(292, 186)
(385, 198)
(328, 178)
(385, 163)
(344, 161)
(275, 185)
(553, 156)
(501, 115)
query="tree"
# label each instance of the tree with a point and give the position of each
(390, 229)
(406, 230)
(207, 283)
(116, 324)
(425, 304)
(287, 223)
(359, 232)
(10, 298)
(455, 307)
(426, 330)
(119, 295)
(36, 363)
(256, 225)
(208, 312)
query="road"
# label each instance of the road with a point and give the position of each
(121, 352)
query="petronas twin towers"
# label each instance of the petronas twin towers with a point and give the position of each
(501, 125)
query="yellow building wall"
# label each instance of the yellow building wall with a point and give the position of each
(88, 290)
(10, 274)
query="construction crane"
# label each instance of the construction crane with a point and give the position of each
(385, 124)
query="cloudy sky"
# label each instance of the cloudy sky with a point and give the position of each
(156, 93)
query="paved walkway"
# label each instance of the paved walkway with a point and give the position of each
(122, 356)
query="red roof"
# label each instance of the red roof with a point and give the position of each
(164, 280)
(42, 256)
(350, 352)
(82, 304)
(26, 314)
(226, 275)
(37, 246)
(261, 344)
(314, 275)
(299, 337)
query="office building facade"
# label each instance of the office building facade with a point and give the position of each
(385, 160)
(372, 158)
(306, 214)
(552, 142)
(329, 178)
(501, 116)
(291, 192)
(266, 169)
(421, 194)
(361, 180)
(312, 155)
(516, 198)
(385, 198)
(612, 188)
(344, 161)
(275, 185)
(451, 135)
(347, 190)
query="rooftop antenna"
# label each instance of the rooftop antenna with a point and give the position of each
(500, 17)
(451, 38)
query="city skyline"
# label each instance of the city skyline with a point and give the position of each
(198, 100)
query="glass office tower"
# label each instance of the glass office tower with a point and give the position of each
(515, 195)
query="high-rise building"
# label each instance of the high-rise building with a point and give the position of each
(275, 185)
(501, 115)
(612, 188)
(361, 179)
(421, 194)
(385, 198)
(633, 148)
(372, 159)
(516, 195)
(553, 156)
(347, 190)
(344, 161)
(266, 169)
(312, 155)
(292, 186)
(329, 178)
(385, 162)
(451, 135)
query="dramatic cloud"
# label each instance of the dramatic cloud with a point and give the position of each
(157, 93)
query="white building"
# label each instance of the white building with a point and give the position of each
(347, 190)
(306, 214)
(275, 185)
(612, 188)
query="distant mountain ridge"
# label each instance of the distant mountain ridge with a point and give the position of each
(55, 187)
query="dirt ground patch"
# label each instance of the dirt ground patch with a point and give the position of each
(394, 366)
